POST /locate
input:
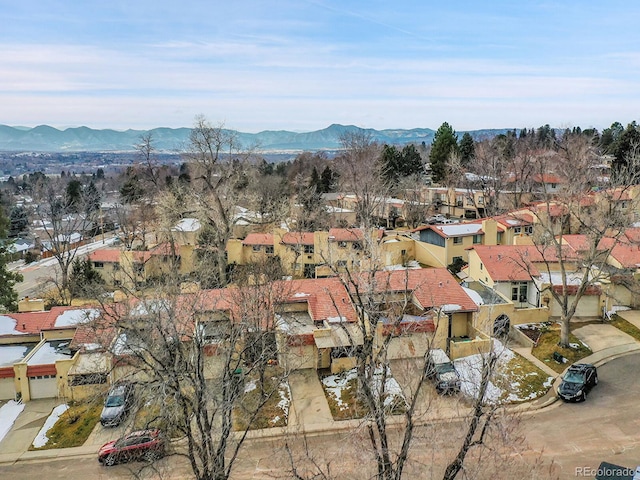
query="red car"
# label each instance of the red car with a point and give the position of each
(146, 445)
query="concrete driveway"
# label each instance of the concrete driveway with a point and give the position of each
(631, 316)
(599, 336)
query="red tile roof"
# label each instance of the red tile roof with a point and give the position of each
(258, 239)
(298, 238)
(35, 322)
(431, 287)
(507, 263)
(105, 255)
(345, 234)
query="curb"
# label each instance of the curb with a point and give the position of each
(550, 398)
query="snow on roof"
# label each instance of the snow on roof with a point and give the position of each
(475, 296)
(47, 354)
(71, 318)
(10, 354)
(555, 278)
(188, 225)
(460, 229)
(8, 326)
(451, 308)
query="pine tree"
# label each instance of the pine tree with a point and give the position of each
(445, 142)
(467, 148)
(8, 296)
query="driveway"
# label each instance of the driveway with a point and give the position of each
(599, 336)
(631, 316)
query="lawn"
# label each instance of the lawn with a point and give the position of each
(341, 391)
(625, 326)
(74, 426)
(548, 344)
(274, 413)
(522, 381)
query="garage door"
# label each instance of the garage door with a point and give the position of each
(588, 306)
(43, 386)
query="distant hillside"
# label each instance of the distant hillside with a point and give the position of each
(83, 139)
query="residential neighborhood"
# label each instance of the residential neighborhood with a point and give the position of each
(321, 311)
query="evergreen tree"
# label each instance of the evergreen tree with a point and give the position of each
(467, 148)
(19, 221)
(83, 279)
(327, 180)
(411, 161)
(314, 182)
(626, 144)
(92, 198)
(8, 296)
(445, 142)
(73, 195)
(390, 164)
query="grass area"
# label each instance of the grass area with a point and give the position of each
(274, 413)
(158, 414)
(522, 381)
(341, 391)
(625, 326)
(548, 344)
(348, 406)
(73, 427)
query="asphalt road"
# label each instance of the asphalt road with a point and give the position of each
(573, 439)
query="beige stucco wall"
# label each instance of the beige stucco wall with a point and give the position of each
(7, 389)
(430, 255)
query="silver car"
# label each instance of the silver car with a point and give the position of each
(117, 405)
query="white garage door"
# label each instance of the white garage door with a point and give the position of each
(43, 386)
(589, 306)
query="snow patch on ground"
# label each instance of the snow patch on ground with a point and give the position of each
(470, 371)
(250, 386)
(334, 384)
(8, 414)
(42, 439)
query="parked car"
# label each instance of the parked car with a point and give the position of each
(577, 382)
(441, 370)
(146, 445)
(117, 404)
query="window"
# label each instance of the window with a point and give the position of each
(469, 200)
(341, 263)
(356, 246)
(528, 229)
(480, 200)
(457, 259)
(342, 244)
(519, 292)
(403, 252)
(477, 239)
(138, 268)
(268, 249)
(98, 265)
(517, 230)
(308, 249)
(481, 266)
(457, 240)
(116, 267)
(459, 200)
(256, 248)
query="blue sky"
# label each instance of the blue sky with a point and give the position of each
(302, 65)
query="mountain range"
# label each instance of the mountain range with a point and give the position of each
(44, 138)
